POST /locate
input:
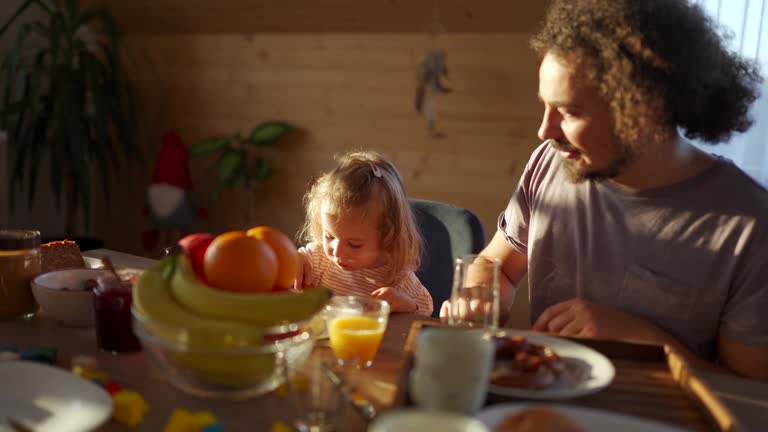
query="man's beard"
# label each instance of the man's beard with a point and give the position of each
(578, 173)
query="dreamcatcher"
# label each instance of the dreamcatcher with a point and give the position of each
(433, 70)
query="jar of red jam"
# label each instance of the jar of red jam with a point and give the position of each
(112, 300)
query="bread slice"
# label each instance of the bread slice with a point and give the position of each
(62, 254)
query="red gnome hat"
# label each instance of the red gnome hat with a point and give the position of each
(172, 165)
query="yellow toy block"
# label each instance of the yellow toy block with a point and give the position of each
(180, 421)
(90, 374)
(201, 419)
(130, 407)
(279, 426)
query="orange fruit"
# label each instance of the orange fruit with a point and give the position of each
(237, 262)
(284, 248)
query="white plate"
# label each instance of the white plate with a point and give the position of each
(406, 420)
(589, 419)
(586, 370)
(48, 399)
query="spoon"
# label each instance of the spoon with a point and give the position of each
(109, 266)
(18, 426)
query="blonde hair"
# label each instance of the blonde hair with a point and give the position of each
(366, 177)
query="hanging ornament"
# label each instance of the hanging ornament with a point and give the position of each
(433, 70)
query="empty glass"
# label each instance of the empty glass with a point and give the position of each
(475, 292)
(318, 403)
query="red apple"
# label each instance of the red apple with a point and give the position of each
(194, 246)
(190, 241)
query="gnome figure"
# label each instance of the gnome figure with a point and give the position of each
(170, 201)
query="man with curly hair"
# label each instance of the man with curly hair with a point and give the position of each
(625, 229)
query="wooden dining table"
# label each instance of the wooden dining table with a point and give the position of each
(747, 400)
(134, 371)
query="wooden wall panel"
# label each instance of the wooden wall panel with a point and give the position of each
(342, 91)
(196, 16)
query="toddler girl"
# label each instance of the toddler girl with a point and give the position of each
(363, 236)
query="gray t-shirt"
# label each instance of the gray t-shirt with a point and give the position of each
(691, 257)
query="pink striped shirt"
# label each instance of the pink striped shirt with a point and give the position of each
(362, 282)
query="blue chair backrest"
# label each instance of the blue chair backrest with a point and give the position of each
(449, 232)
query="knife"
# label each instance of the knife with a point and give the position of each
(362, 405)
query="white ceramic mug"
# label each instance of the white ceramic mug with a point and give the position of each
(452, 367)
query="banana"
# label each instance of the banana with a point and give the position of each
(174, 324)
(262, 309)
(218, 352)
(232, 372)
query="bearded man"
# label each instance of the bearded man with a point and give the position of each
(625, 229)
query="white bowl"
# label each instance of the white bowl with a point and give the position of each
(60, 296)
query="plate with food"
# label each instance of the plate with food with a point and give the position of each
(524, 417)
(536, 366)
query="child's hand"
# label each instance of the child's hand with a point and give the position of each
(304, 275)
(398, 300)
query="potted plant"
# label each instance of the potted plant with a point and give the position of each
(67, 101)
(242, 161)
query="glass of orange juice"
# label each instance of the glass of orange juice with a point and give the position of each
(356, 325)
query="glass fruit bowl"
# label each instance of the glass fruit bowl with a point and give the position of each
(229, 367)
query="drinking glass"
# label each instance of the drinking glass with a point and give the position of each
(356, 326)
(318, 403)
(475, 292)
(19, 263)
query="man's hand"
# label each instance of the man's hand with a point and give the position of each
(581, 318)
(469, 310)
(304, 275)
(445, 311)
(514, 265)
(398, 300)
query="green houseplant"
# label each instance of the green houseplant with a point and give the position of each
(242, 162)
(66, 100)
